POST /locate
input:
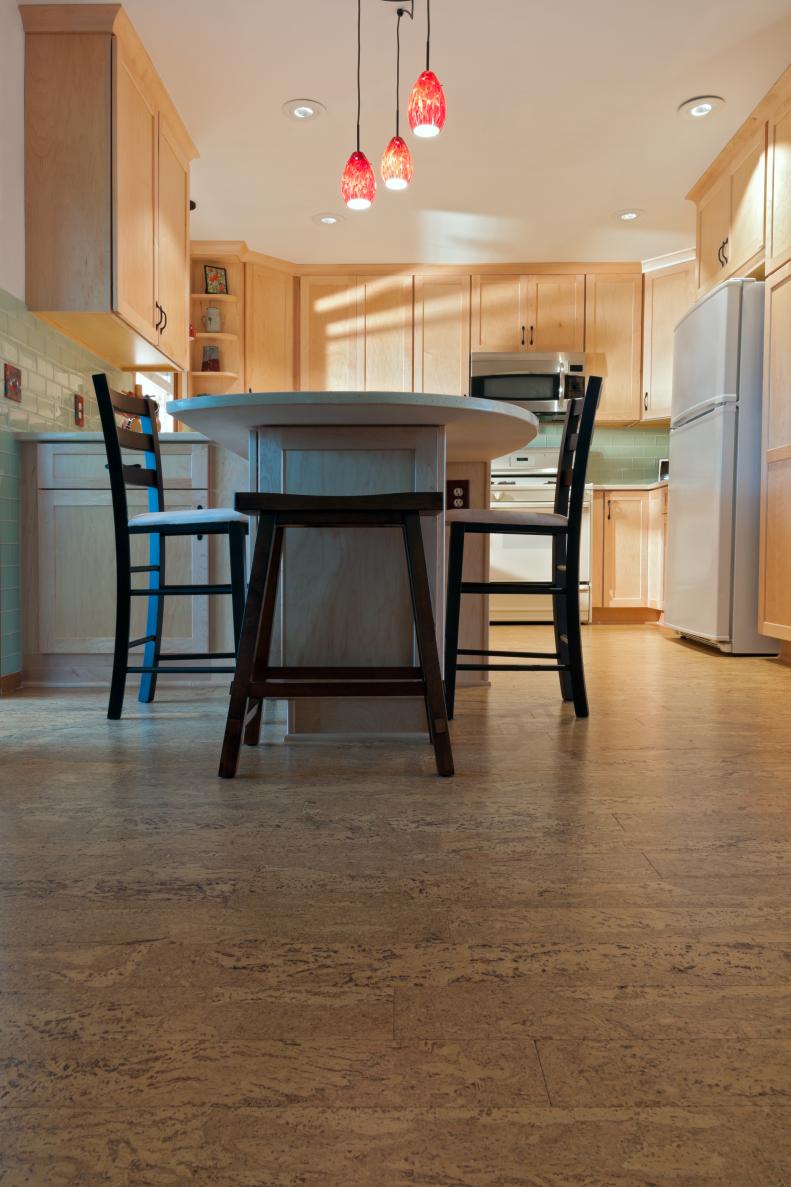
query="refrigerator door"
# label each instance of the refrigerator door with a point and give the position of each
(700, 525)
(706, 350)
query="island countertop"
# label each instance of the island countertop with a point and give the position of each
(476, 430)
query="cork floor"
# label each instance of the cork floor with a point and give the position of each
(570, 966)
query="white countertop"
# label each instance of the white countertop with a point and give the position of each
(54, 438)
(477, 430)
(630, 485)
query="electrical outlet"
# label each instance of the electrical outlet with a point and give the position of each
(79, 411)
(457, 494)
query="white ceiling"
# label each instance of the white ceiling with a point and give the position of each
(559, 114)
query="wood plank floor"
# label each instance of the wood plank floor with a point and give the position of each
(570, 966)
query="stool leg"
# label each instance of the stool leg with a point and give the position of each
(123, 614)
(453, 612)
(236, 550)
(252, 733)
(154, 616)
(245, 659)
(560, 618)
(427, 643)
(574, 629)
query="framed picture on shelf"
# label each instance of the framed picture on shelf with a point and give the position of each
(216, 279)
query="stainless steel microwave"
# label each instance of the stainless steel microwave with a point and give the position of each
(539, 381)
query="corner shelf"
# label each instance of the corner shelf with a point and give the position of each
(213, 297)
(215, 374)
(220, 334)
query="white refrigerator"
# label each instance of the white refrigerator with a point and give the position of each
(715, 471)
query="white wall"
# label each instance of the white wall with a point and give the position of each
(12, 179)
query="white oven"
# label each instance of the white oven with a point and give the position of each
(529, 558)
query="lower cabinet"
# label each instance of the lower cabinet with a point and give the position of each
(774, 591)
(69, 564)
(629, 535)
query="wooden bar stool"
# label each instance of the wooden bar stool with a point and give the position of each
(157, 524)
(256, 679)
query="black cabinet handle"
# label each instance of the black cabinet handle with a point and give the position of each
(523, 335)
(645, 402)
(531, 336)
(609, 508)
(164, 325)
(725, 258)
(199, 508)
(159, 318)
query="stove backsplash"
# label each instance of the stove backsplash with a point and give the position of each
(617, 455)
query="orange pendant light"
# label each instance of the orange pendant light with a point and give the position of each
(427, 106)
(358, 184)
(396, 166)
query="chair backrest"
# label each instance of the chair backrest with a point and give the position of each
(575, 444)
(147, 473)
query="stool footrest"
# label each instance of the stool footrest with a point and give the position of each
(307, 673)
(286, 690)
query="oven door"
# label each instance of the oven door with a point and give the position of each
(529, 558)
(538, 392)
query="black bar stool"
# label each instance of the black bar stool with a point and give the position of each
(564, 525)
(256, 678)
(157, 524)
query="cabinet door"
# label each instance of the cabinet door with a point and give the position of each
(269, 329)
(555, 312)
(778, 212)
(774, 599)
(625, 548)
(385, 344)
(657, 536)
(134, 215)
(173, 246)
(748, 206)
(499, 313)
(613, 327)
(668, 296)
(442, 334)
(76, 574)
(329, 332)
(714, 216)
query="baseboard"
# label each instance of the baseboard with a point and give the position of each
(624, 615)
(10, 683)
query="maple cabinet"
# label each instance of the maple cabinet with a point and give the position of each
(667, 297)
(613, 327)
(774, 596)
(629, 544)
(778, 201)
(515, 313)
(731, 216)
(107, 188)
(269, 329)
(356, 333)
(442, 334)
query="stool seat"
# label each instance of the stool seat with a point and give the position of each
(526, 519)
(196, 517)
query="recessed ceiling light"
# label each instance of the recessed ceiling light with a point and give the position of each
(700, 106)
(628, 216)
(303, 110)
(327, 218)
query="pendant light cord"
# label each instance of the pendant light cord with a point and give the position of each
(398, 71)
(359, 39)
(428, 34)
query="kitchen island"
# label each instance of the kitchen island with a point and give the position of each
(344, 594)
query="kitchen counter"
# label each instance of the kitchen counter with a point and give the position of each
(81, 436)
(629, 485)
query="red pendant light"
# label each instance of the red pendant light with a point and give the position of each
(396, 166)
(358, 184)
(427, 107)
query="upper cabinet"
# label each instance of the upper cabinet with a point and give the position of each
(515, 313)
(613, 327)
(778, 205)
(269, 328)
(442, 334)
(107, 188)
(356, 333)
(731, 214)
(668, 295)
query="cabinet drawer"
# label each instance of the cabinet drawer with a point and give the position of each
(84, 467)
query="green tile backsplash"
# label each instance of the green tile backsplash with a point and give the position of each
(53, 369)
(617, 455)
